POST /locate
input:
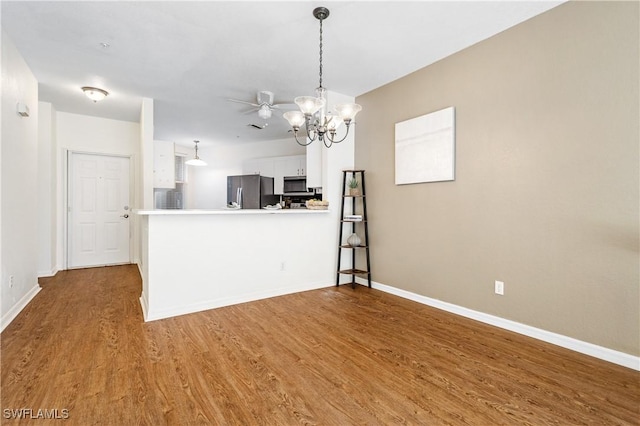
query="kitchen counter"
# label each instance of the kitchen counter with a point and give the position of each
(194, 260)
(171, 212)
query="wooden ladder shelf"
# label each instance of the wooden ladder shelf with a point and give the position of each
(358, 203)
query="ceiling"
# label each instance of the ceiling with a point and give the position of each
(190, 57)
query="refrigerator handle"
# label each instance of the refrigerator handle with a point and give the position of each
(239, 196)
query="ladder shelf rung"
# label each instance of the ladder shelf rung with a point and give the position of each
(353, 272)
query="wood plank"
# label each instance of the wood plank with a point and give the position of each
(329, 356)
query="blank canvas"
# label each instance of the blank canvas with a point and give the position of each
(425, 148)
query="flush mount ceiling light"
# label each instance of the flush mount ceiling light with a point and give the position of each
(320, 125)
(195, 161)
(94, 93)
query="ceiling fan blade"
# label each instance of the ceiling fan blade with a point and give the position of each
(281, 106)
(244, 102)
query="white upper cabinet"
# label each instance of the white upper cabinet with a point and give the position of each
(295, 165)
(259, 166)
(277, 168)
(164, 171)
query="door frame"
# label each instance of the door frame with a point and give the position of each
(66, 158)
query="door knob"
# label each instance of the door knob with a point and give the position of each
(126, 216)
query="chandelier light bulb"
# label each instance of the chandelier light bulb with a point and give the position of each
(348, 111)
(308, 104)
(333, 122)
(295, 118)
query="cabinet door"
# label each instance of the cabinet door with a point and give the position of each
(293, 166)
(163, 165)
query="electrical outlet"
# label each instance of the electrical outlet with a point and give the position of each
(499, 288)
(10, 281)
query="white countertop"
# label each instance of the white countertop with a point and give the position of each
(176, 212)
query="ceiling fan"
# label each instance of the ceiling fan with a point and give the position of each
(264, 104)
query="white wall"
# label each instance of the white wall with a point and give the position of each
(19, 189)
(47, 172)
(144, 178)
(146, 153)
(97, 135)
(207, 187)
(82, 133)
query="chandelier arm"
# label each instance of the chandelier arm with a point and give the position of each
(343, 138)
(295, 135)
(311, 128)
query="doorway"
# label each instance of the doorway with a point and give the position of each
(98, 210)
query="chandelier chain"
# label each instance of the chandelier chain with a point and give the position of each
(320, 53)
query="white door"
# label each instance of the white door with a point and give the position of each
(98, 210)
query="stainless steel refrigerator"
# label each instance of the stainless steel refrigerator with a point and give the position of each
(251, 191)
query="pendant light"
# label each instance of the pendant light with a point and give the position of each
(195, 161)
(320, 125)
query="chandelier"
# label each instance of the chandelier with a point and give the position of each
(318, 123)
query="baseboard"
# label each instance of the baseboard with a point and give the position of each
(18, 307)
(576, 345)
(144, 305)
(152, 315)
(47, 274)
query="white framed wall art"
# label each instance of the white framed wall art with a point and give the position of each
(425, 148)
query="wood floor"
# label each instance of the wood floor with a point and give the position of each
(324, 357)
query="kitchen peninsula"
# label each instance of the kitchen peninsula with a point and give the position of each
(194, 260)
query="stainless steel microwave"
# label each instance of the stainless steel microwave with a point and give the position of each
(295, 185)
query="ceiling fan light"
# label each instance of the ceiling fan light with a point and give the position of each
(308, 104)
(295, 119)
(264, 112)
(94, 93)
(348, 111)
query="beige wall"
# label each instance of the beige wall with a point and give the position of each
(546, 196)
